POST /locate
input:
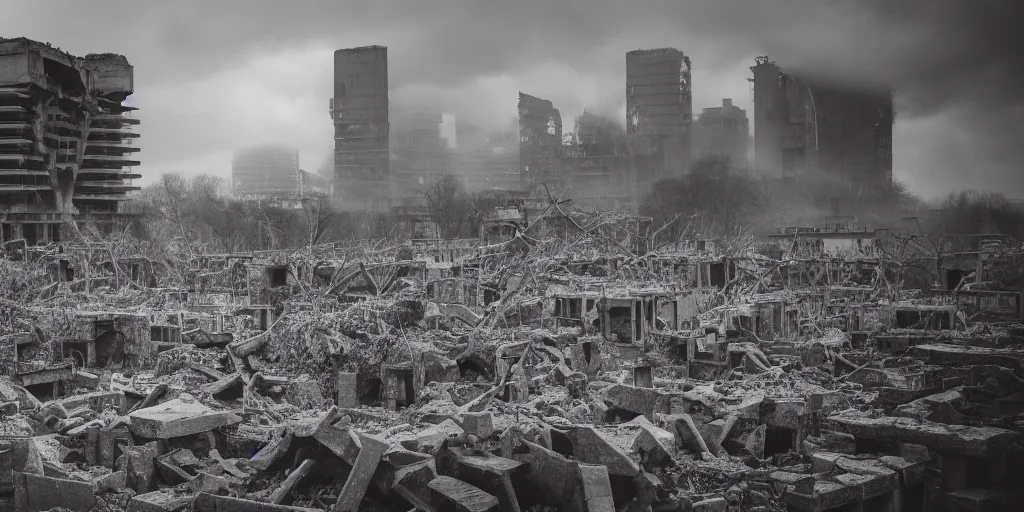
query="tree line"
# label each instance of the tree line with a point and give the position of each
(194, 214)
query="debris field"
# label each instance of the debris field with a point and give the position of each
(588, 372)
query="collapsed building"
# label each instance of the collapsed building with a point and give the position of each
(566, 364)
(65, 139)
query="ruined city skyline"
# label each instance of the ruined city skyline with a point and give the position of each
(945, 124)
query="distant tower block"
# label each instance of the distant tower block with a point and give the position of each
(659, 112)
(362, 177)
(811, 129)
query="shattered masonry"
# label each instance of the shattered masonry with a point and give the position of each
(551, 367)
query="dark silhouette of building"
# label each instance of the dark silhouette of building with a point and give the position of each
(659, 112)
(597, 164)
(540, 145)
(724, 132)
(813, 129)
(361, 129)
(265, 171)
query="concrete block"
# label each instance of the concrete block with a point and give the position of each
(597, 489)
(35, 493)
(480, 424)
(410, 482)
(139, 464)
(494, 475)
(345, 383)
(437, 433)
(177, 418)
(371, 450)
(710, 505)
(206, 502)
(160, 501)
(591, 447)
(449, 494)
(646, 401)
(205, 482)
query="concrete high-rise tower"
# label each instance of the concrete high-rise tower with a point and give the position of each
(362, 178)
(659, 112)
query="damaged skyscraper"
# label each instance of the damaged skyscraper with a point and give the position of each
(65, 143)
(361, 129)
(540, 145)
(659, 112)
(810, 128)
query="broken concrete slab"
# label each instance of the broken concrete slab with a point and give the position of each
(449, 494)
(654, 445)
(345, 383)
(293, 479)
(205, 482)
(177, 418)
(686, 432)
(410, 482)
(371, 450)
(495, 475)
(36, 493)
(205, 502)
(942, 353)
(646, 401)
(710, 505)
(139, 465)
(340, 441)
(973, 441)
(171, 474)
(596, 489)
(592, 447)
(165, 500)
(549, 478)
(480, 424)
(437, 433)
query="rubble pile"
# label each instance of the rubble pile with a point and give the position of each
(531, 375)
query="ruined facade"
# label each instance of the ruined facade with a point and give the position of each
(540, 145)
(359, 110)
(65, 138)
(659, 112)
(265, 171)
(724, 132)
(805, 128)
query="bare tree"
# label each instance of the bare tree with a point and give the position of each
(319, 214)
(450, 205)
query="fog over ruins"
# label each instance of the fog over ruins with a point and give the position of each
(605, 256)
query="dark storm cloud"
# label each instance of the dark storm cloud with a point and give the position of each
(949, 60)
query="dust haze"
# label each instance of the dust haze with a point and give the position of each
(256, 72)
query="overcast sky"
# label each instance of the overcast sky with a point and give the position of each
(215, 76)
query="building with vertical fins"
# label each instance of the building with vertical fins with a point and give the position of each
(66, 138)
(659, 112)
(359, 110)
(813, 129)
